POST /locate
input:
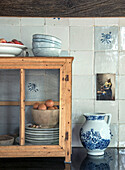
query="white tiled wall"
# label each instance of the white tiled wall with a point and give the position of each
(81, 39)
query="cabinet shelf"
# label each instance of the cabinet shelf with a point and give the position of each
(64, 64)
(27, 103)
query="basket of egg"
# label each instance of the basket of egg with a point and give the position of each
(46, 115)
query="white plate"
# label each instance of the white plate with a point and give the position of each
(40, 129)
(42, 134)
(41, 139)
(42, 143)
(10, 50)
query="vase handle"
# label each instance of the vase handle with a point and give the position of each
(109, 118)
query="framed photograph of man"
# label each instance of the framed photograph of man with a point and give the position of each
(105, 86)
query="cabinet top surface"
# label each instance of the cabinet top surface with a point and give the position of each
(36, 58)
(34, 62)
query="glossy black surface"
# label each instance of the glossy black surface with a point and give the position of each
(113, 159)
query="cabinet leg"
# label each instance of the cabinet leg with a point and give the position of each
(67, 158)
(67, 167)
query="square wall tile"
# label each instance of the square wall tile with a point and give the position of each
(106, 21)
(83, 62)
(60, 32)
(106, 38)
(75, 135)
(122, 63)
(121, 111)
(121, 21)
(35, 88)
(114, 131)
(57, 21)
(121, 159)
(82, 87)
(81, 38)
(9, 32)
(115, 81)
(9, 115)
(108, 107)
(121, 135)
(9, 128)
(9, 85)
(122, 39)
(64, 53)
(79, 107)
(121, 87)
(32, 21)
(106, 62)
(81, 21)
(11, 21)
(27, 33)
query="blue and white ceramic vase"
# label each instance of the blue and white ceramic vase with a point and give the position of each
(95, 134)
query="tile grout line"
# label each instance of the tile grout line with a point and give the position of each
(94, 89)
(118, 80)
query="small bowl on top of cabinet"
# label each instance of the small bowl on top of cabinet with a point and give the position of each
(46, 45)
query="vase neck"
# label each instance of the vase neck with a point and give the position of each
(95, 117)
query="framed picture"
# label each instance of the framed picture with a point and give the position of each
(105, 87)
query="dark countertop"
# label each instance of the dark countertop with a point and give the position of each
(113, 159)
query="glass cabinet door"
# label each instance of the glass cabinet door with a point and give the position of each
(41, 117)
(9, 106)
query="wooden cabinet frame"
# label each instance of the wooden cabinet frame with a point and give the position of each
(65, 130)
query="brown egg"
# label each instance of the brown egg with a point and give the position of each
(42, 107)
(35, 106)
(51, 108)
(49, 103)
(55, 107)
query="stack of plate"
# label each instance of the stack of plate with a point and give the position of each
(41, 136)
(46, 45)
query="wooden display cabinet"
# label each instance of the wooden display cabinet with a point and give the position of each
(64, 64)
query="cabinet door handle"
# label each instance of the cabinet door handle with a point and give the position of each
(67, 136)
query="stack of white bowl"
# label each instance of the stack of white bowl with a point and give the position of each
(46, 45)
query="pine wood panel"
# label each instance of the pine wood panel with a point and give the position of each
(62, 109)
(28, 103)
(32, 151)
(68, 111)
(63, 8)
(32, 62)
(22, 107)
(31, 147)
(33, 154)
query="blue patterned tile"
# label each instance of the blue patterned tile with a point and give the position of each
(106, 38)
(42, 85)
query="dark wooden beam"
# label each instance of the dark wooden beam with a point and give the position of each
(62, 8)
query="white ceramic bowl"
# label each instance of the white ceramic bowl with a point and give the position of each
(46, 118)
(45, 44)
(46, 40)
(46, 52)
(6, 140)
(10, 50)
(48, 37)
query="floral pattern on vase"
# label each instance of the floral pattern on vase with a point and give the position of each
(93, 140)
